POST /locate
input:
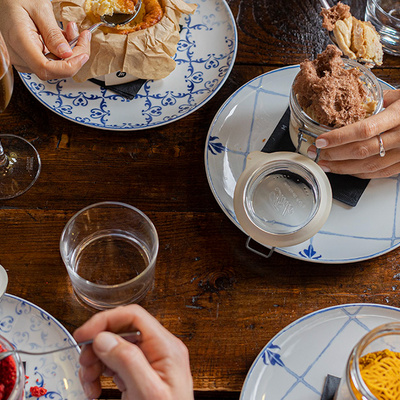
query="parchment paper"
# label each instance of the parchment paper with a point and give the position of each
(144, 54)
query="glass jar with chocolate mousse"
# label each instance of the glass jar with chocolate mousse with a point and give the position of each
(12, 375)
(328, 93)
(373, 368)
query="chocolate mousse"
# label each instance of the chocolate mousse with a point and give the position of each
(331, 94)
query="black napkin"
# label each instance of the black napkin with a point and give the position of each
(330, 387)
(128, 90)
(345, 188)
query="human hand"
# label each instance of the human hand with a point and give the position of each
(155, 368)
(354, 149)
(30, 29)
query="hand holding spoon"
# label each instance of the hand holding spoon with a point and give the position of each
(106, 20)
(131, 336)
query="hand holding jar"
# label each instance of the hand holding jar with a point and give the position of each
(369, 148)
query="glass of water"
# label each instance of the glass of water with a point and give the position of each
(110, 251)
(385, 16)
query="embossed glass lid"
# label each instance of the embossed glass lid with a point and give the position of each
(282, 199)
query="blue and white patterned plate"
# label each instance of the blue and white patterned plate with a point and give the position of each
(244, 123)
(28, 327)
(205, 56)
(295, 363)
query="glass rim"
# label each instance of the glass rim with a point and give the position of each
(384, 12)
(151, 262)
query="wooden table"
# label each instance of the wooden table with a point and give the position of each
(223, 301)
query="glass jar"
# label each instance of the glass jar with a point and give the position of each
(352, 386)
(17, 392)
(300, 121)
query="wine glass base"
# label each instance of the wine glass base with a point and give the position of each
(21, 169)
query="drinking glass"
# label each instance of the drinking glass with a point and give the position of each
(110, 251)
(19, 160)
(385, 16)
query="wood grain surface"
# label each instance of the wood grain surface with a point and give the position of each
(223, 301)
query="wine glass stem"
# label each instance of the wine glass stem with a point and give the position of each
(3, 157)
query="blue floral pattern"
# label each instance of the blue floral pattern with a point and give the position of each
(30, 328)
(204, 58)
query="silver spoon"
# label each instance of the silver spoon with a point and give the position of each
(106, 20)
(133, 337)
(368, 64)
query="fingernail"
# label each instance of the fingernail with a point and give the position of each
(88, 389)
(74, 27)
(63, 48)
(321, 143)
(325, 168)
(84, 59)
(105, 342)
(311, 154)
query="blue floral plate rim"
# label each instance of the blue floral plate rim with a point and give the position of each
(205, 57)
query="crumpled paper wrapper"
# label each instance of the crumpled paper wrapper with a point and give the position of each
(145, 54)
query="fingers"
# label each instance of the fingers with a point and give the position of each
(158, 363)
(390, 96)
(130, 365)
(70, 66)
(372, 167)
(364, 129)
(27, 47)
(50, 31)
(359, 150)
(71, 31)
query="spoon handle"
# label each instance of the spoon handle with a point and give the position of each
(133, 337)
(325, 4)
(73, 42)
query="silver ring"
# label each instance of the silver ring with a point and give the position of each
(382, 151)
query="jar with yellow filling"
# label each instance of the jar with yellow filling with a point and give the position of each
(373, 368)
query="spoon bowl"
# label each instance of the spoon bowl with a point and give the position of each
(106, 20)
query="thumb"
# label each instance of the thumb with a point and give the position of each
(128, 362)
(51, 33)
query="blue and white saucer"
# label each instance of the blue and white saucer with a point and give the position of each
(295, 363)
(244, 123)
(28, 327)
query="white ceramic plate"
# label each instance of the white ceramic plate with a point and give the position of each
(244, 123)
(295, 363)
(205, 56)
(30, 328)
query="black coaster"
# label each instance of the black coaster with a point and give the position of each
(345, 188)
(128, 90)
(330, 387)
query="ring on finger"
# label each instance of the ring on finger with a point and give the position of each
(382, 151)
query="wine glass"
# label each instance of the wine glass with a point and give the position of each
(19, 161)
